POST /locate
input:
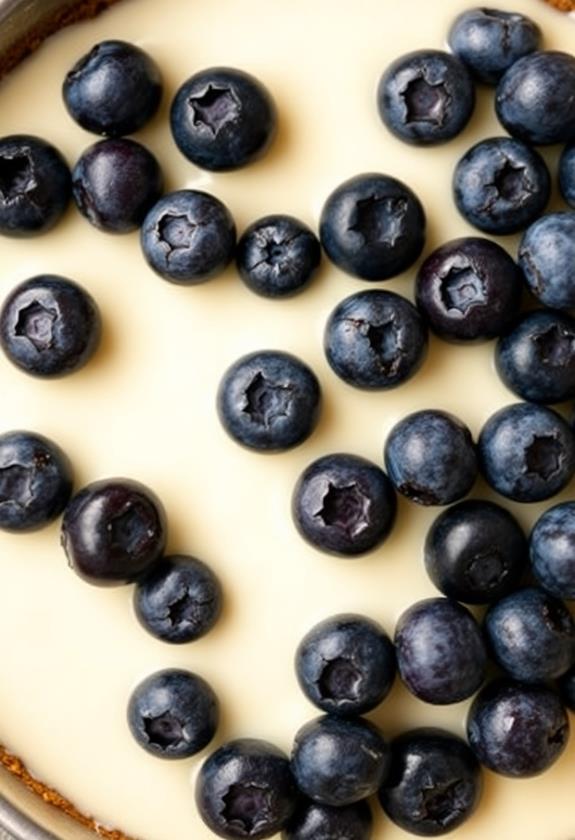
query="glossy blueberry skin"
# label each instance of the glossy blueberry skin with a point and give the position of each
(546, 257)
(440, 652)
(517, 730)
(346, 664)
(526, 452)
(114, 89)
(469, 290)
(188, 237)
(552, 550)
(567, 174)
(343, 504)
(426, 97)
(223, 118)
(313, 821)
(35, 481)
(246, 789)
(534, 99)
(372, 226)
(338, 761)
(180, 599)
(113, 531)
(430, 458)
(434, 784)
(536, 359)
(49, 326)
(475, 552)
(375, 340)
(35, 185)
(566, 686)
(489, 41)
(501, 185)
(173, 713)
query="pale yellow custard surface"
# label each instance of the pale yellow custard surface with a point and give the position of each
(71, 653)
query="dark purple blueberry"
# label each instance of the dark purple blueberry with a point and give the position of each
(114, 89)
(344, 504)
(173, 713)
(49, 326)
(469, 289)
(440, 652)
(346, 664)
(547, 256)
(113, 531)
(372, 226)
(517, 730)
(567, 174)
(566, 687)
(375, 340)
(246, 789)
(313, 821)
(223, 118)
(35, 185)
(552, 550)
(35, 481)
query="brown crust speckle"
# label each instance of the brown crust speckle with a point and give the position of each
(563, 5)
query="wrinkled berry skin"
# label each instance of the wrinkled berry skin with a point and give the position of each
(269, 401)
(223, 118)
(434, 784)
(426, 97)
(375, 340)
(546, 257)
(113, 90)
(517, 730)
(313, 821)
(338, 761)
(346, 664)
(179, 601)
(430, 458)
(35, 481)
(35, 185)
(49, 326)
(469, 290)
(526, 452)
(534, 100)
(475, 552)
(173, 713)
(113, 530)
(567, 174)
(552, 550)
(343, 504)
(440, 652)
(246, 789)
(372, 226)
(489, 41)
(566, 686)
(188, 237)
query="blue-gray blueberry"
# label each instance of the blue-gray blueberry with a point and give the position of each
(552, 550)
(546, 257)
(312, 821)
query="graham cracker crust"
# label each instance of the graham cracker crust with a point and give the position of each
(563, 5)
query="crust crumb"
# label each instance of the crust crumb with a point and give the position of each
(563, 5)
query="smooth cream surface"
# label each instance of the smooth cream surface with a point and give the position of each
(144, 408)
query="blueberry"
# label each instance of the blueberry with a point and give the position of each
(114, 89)
(489, 41)
(188, 237)
(115, 183)
(313, 821)
(475, 552)
(552, 550)
(277, 256)
(534, 100)
(35, 185)
(223, 118)
(430, 458)
(426, 97)
(517, 730)
(501, 185)
(546, 257)
(35, 481)
(245, 789)
(372, 226)
(49, 326)
(434, 784)
(173, 713)
(269, 401)
(113, 531)
(440, 652)
(344, 504)
(536, 359)
(526, 452)
(338, 761)
(375, 340)
(346, 664)
(566, 687)
(179, 600)
(567, 174)
(469, 289)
